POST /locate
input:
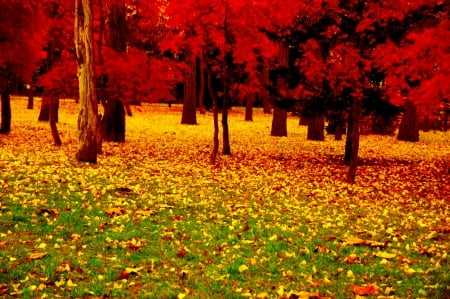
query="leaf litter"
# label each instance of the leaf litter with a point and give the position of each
(274, 220)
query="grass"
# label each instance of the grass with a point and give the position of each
(275, 220)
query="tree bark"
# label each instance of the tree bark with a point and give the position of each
(6, 112)
(53, 115)
(30, 97)
(356, 107)
(215, 149)
(409, 127)
(249, 107)
(279, 122)
(189, 116)
(113, 122)
(348, 138)
(87, 117)
(315, 128)
(201, 88)
(267, 108)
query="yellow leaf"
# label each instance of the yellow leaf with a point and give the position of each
(242, 268)
(385, 255)
(262, 295)
(36, 256)
(273, 238)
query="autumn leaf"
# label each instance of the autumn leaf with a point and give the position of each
(3, 244)
(114, 211)
(385, 255)
(36, 256)
(364, 290)
(242, 268)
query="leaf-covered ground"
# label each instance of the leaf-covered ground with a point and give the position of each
(275, 220)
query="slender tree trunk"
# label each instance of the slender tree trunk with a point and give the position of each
(357, 107)
(215, 149)
(128, 110)
(348, 138)
(87, 118)
(267, 107)
(338, 132)
(52, 120)
(279, 122)
(103, 79)
(189, 116)
(228, 58)
(113, 121)
(249, 107)
(44, 113)
(6, 112)
(201, 89)
(30, 97)
(409, 127)
(315, 128)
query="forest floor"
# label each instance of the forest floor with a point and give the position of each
(276, 219)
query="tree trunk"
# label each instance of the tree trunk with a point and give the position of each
(189, 116)
(279, 122)
(267, 107)
(356, 107)
(87, 117)
(6, 112)
(228, 59)
(215, 149)
(53, 115)
(201, 89)
(338, 132)
(30, 97)
(315, 128)
(249, 107)
(113, 121)
(44, 113)
(348, 139)
(409, 127)
(128, 110)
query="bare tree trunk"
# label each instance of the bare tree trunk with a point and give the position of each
(215, 149)
(114, 122)
(357, 107)
(30, 97)
(267, 108)
(228, 58)
(201, 89)
(6, 112)
(279, 121)
(348, 138)
(189, 116)
(52, 120)
(409, 127)
(87, 117)
(249, 107)
(128, 110)
(315, 128)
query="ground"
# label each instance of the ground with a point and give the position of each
(274, 220)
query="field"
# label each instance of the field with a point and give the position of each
(274, 220)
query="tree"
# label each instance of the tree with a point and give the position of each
(22, 32)
(87, 118)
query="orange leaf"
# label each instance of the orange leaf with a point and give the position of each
(3, 244)
(371, 289)
(36, 256)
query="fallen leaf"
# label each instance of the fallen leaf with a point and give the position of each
(385, 255)
(442, 229)
(36, 256)
(242, 268)
(371, 289)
